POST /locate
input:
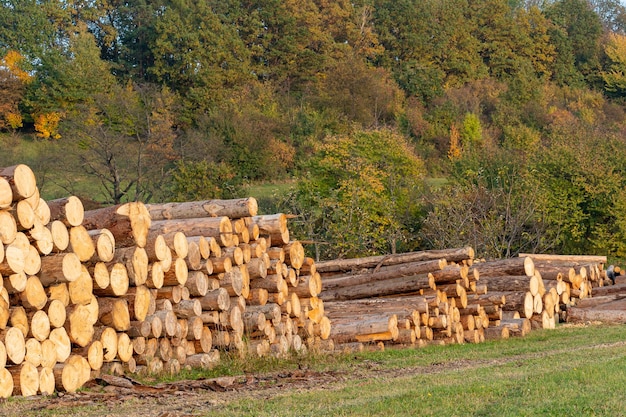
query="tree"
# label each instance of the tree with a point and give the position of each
(358, 193)
(124, 140)
(67, 78)
(494, 204)
(197, 56)
(615, 77)
(576, 34)
(13, 81)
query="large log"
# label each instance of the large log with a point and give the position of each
(510, 266)
(235, 208)
(274, 226)
(450, 255)
(384, 273)
(512, 283)
(408, 284)
(583, 259)
(129, 223)
(371, 329)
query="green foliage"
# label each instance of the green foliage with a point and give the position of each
(495, 205)
(615, 77)
(203, 180)
(471, 131)
(66, 79)
(358, 191)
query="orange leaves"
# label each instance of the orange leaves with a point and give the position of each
(12, 61)
(47, 125)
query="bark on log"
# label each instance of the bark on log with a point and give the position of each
(510, 266)
(408, 284)
(384, 273)
(235, 208)
(274, 226)
(129, 223)
(68, 210)
(217, 227)
(450, 255)
(21, 179)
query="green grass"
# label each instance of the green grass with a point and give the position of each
(564, 372)
(550, 373)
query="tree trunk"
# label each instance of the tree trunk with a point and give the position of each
(235, 208)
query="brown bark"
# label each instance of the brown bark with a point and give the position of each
(510, 266)
(21, 179)
(129, 223)
(450, 255)
(235, 208)
(408, 284)
(68, 210)
(383, 273)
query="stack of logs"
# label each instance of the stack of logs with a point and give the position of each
(448, 296)
(144, 287)
(405, 299)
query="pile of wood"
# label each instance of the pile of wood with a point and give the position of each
(144, 287)
(448, 296)
(408, 298)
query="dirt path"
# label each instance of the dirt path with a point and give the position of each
(118, 396)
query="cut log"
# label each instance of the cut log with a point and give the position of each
(8, 227)
(129, 223)
(46, 381)
(274, 226)
(370, 329)
(408, 284)
(197, 283)
(60, 236)
(81, 289)
(21, 179)
(113, 312)
(566, 258)
(25, 379)
(66, 377)
(69, 210)
(450, 255)
(383, 273)
(510, 266)
(235, 208)
(217, 227)
(139, 299)
(60, 268)
(104, 242)
(512, 283)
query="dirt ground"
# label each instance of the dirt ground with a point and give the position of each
(111, 396)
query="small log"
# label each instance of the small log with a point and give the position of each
(69, 210)
(21, 179)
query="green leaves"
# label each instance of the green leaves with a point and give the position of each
(359, 191)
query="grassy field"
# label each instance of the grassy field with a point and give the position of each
(570, 371)
(564, 372)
